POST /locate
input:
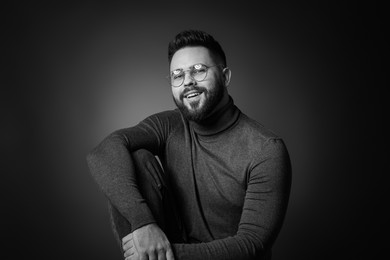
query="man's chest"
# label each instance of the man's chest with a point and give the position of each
(213, 171)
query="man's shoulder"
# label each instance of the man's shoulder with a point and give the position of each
(164, 119)
(259, 140)
(173, 114)
(255, 129)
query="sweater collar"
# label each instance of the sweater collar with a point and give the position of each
(221, 120)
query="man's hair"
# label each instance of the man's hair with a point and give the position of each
(192, 38)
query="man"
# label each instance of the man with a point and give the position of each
(223, 188)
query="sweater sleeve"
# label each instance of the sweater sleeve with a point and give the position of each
(263, 211)
(112, 167)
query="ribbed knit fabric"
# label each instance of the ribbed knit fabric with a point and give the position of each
(230, 176)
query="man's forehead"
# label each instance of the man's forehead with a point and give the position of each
(188, 56)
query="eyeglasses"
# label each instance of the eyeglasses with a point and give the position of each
(198, 72)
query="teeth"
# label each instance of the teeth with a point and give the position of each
(193, 95)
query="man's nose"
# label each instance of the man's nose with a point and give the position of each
(188, 80)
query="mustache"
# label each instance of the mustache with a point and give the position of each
(192, 88)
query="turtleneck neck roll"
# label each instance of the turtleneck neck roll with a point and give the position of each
(221, 120)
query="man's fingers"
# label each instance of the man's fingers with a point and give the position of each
(128, 253)
(143, 257)
(128, 245)
(132, 257)
(152, 256)
(161, 255)
(169, 254)
(127, 239)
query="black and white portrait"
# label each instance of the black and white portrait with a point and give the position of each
(202, 130)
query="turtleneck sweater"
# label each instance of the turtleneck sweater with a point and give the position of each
(230, 176)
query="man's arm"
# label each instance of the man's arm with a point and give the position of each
(112, 167)
(263, 211)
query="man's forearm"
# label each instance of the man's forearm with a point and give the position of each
(112, 167)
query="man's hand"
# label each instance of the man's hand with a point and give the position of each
(147, 242)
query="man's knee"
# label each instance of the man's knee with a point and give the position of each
(142, 155)
(149, 172)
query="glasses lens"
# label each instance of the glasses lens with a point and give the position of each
(199, 73)
(177, 78)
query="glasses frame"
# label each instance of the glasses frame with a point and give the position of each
(169, 77)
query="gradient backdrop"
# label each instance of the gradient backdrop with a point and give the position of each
(81, 71)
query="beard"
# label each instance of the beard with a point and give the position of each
(198, 113)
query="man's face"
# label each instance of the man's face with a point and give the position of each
(197, 100)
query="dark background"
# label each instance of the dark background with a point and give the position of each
(76, 72)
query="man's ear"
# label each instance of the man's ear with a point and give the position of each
(227, 74)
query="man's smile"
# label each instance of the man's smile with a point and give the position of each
(192, 94)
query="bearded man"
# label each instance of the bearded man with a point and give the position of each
(221, 184)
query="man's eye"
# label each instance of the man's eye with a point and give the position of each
(176, 73)
(177, 76)
(200, 70)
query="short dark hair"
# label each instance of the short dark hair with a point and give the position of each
(195, 38)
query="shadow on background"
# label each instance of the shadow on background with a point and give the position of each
(79, 72)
